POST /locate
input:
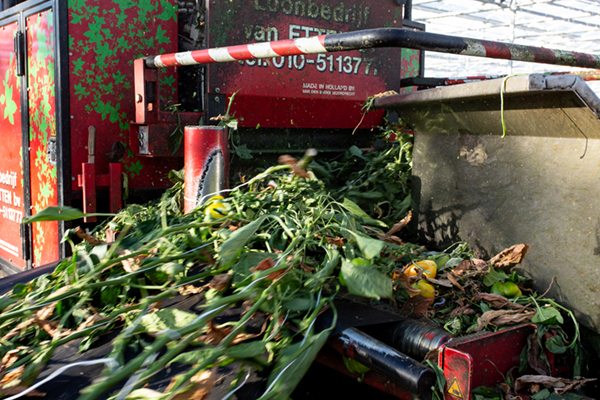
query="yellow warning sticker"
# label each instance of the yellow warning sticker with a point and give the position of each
(454, 390)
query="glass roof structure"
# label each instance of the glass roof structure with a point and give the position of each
(556, 24)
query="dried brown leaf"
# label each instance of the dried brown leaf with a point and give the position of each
(405, 282)
(306, 268)
(14, 390)
(215, 334)
(266, 264)
(513, 319)
(400, 224)
(510, 257)
(439, 282)
(12, 356)
(536, 362)
(203, 383)
(191, 289)
(12, 375)
(220, 282)
(390, 239)
(463, 310)
(91, 239)
(90, 321)
(497, 301)
(46, 311)
(287, 159)
(384, 94)
(134, 263)
(455, 282)
(338, 241)
(17, 329)
(560, 385)
(417, 306)
(48, 326)
(503, 318)
(470, 267)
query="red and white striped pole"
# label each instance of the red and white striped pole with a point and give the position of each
(373, 38)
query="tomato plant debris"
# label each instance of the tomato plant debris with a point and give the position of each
(280, 249)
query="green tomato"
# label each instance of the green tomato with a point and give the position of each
(508, 289)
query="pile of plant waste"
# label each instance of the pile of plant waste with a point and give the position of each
(274, 254)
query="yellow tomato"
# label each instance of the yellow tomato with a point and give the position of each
(427, 290)
(428, 267)
(215, 210)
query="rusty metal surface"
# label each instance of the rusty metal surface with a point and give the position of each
(538, 185)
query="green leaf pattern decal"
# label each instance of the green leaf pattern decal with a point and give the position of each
(42, 126)
(114, 34)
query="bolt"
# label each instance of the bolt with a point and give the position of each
(217, 90)
(217, 99)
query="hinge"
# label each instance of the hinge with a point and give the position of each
(20, 53)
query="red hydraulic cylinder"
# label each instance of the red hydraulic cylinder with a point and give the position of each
(206, 160)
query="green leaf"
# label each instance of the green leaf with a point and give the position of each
(440, 379)
(145, 394)
(292, 364)
(167, 318)
(241, 269)
(370, 247)
(547, 316)
(453, 262)
(556, 345)
(366, 281)
(355, 209)
(19, 289)
(55, 214)
(5, 302)
(355, 151)
(247, 350)
(332, 261)
(486, 393)
(494, 276)
(233, 246)
(195, 356)
(541, 395)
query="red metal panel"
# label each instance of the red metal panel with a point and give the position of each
(482, 360)
(11, 157)
(42, 130)
(114, 187)
(305, 91)
(458, 368)
(89, 190)
(105, 37)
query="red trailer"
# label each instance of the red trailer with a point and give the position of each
(68, 70)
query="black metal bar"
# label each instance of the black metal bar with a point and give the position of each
(408, 373)
(408, 10)
(375, 38)
(63, 120)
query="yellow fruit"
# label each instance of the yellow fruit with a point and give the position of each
(427, 290)
(428, 267)
(215, 210)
